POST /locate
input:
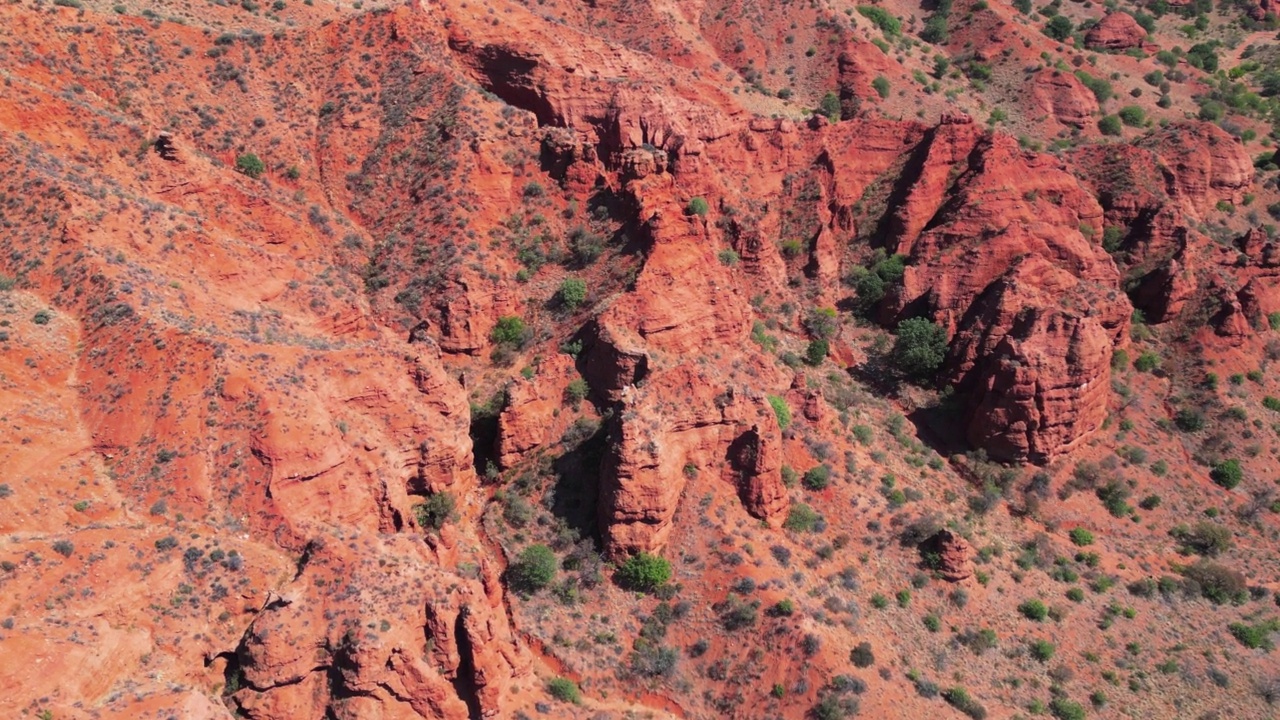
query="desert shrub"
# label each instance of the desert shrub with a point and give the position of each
(1110, 125)
(801, 518)
(959, 698)
(1034, 610)
(817, 478)
(64, 547)
(1059, 28)
(644, 572)
(919, 348)
(533, 570)
(510, 330)
(862, 656)
(1064, 709)
(816, 352)
(572, 293)
(1081, 537)
(1042, 650)
(1204, 538)
(576, 391)
(1189, 420)
(564, 690)
(250, 165)
(881, 85)
(736, 613)
(1218, 583)
(882, 19)
(649, 659)
(1256, 636)
(829, 106)
(821, 322)
(1227, 473)
(1132, 115)
(435, 511)
(781, 411)
(697, 206)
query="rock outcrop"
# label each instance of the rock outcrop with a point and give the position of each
(680, 428)
(1064, 97)
(1115, 31)
(1033, 361)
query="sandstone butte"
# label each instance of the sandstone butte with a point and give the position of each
(636, 359)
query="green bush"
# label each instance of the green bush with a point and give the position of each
(1064, 709)
(1042, 650)
(1034, 610)
(1100, 88)
(1146, 362)
(1189, 420)
(959, 698)
(576, 391)
(510, 330)
(887, 23)
(533, 570)
(862, 655)
(1227, 473)
(919, 348)
(1110, 125)
(698, 206)
(881, 86)
(435, 511)
(65, 548)
(564, 690)
(1059, 28)
(816, 352)
(644, 572)
(572, 293)
(830, 106)
(1218, 583)
(817, 478)
(1132, 115)
(781, 411)
(1204, 538)
(250, 165)
(1257, 636)
(728, 257)
(801, 518)
(1081, 537)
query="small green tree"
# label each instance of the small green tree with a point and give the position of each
(919, 348)
(1034, 610)
(510, 330)
(817, 478)
(250, 165)
(1132, 115)
(697, 206)
(533, 570)
(1059, 28)
(436, 511)
(1081, 537)
(816, 352)
(1110, 125)
(564, 690)
(1227, 473)
(830, 106)
(644, 572)
(572, 293)
(881, 86)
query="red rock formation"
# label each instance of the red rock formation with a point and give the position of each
(1064, 97)
(955, 555)
(1115, 31)
(1207, 165)
(680, 420)
(442, 650)
(1032, 361)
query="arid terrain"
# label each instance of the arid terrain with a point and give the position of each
(639, 359)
